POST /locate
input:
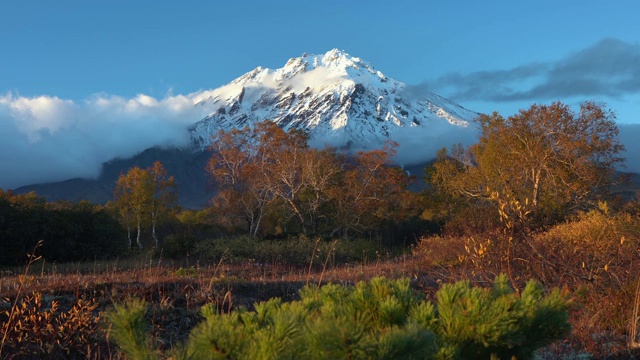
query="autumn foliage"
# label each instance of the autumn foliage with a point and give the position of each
(536, 166)
(142, 196)
(271, 182)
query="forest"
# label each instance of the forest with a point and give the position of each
(530, 237)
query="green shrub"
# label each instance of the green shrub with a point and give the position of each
(476, 323)
(186, 272)
(178, 246)
(380, 319)
(129, 330)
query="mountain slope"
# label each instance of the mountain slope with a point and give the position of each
(185, 165)
(341, 100)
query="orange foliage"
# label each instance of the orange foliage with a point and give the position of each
(265, 171)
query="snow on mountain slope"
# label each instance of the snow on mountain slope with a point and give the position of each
(340, 99)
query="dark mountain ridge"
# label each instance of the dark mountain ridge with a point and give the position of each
(187, 166)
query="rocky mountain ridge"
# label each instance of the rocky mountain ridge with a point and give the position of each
(339, 99)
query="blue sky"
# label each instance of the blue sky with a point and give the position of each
(486, 55)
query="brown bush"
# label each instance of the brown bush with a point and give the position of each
(598, 248)
(474, 220)
(40, 328)
(594, 255)
(477, 258)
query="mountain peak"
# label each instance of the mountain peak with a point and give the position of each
(340, 99)
(335, 52)
(336, 63)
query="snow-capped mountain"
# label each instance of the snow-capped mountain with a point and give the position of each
(340, 99)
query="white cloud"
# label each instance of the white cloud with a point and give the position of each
(420, 144)
(32, 116)
(417, 144)
(50, 139)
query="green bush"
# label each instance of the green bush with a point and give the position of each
(476, 323)
(178, 246)
(130, 330)
(380, 319)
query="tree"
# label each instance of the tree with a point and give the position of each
(546, 161)
(132, 197)
(234, 168)
(371, 192)
(278, 166)
(163, 194)
(266, 170)
(68, 231)
(296, 175)
(264, 165)
(142, 195)
(322, 172)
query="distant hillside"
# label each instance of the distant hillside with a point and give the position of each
(629, 190)
(187, 167)
(193, 183)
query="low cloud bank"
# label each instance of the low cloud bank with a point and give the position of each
(420, 144)
(45, 138)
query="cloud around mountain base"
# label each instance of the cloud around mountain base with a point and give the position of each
(46, 139)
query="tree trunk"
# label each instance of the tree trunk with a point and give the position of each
(255, 225)
(536, 187)
(139, 231)
(299, 215)
(153, 231)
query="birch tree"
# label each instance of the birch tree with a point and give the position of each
(163, 195)
(142, 196)
(266, 168)
(132, 197)
(544, 160)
